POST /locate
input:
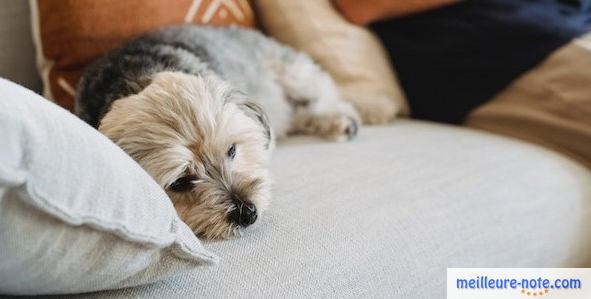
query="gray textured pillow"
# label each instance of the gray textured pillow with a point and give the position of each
(76, 213)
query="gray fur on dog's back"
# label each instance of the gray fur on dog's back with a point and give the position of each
(244, 58)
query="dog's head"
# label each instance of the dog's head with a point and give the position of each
(204, 143)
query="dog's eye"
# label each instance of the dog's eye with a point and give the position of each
(183, 184)
(232, 151)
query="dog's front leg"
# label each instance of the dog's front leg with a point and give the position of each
(319, 109)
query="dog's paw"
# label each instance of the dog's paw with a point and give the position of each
(337, 128)
(376, 110)
(334, 127)
(343, 128)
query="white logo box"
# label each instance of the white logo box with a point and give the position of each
(514, 283)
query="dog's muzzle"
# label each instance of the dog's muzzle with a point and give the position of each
(245, 213)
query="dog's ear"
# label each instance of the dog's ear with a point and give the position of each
(256, 112)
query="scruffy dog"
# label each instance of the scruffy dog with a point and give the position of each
(199, 108)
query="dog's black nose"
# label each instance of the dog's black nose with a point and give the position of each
(245, 214)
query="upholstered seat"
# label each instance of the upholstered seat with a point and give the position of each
(386, 214)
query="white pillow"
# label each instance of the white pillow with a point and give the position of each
(76, 213)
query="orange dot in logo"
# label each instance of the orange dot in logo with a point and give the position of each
(541, 294)
(528, 293)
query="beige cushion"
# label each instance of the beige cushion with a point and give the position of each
(549, 105)
(77, 214)
(350, 53)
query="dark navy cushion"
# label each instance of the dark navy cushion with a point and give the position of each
(453, 59)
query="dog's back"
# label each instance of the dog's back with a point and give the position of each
(236, 55)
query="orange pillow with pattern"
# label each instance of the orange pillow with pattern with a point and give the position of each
(69, 34)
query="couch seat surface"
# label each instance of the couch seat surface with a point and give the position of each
(386, 214)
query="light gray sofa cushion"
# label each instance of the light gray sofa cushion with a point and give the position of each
(77, 214)
(384, 215)
(17, 53)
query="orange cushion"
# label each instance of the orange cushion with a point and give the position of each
(367, 11)
(69, 34)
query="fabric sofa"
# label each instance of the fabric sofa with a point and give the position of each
(384, 215)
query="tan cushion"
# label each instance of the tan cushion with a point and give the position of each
(550, 105)
(71, 33)
(350, 53)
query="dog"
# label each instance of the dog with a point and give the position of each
(199, 108)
